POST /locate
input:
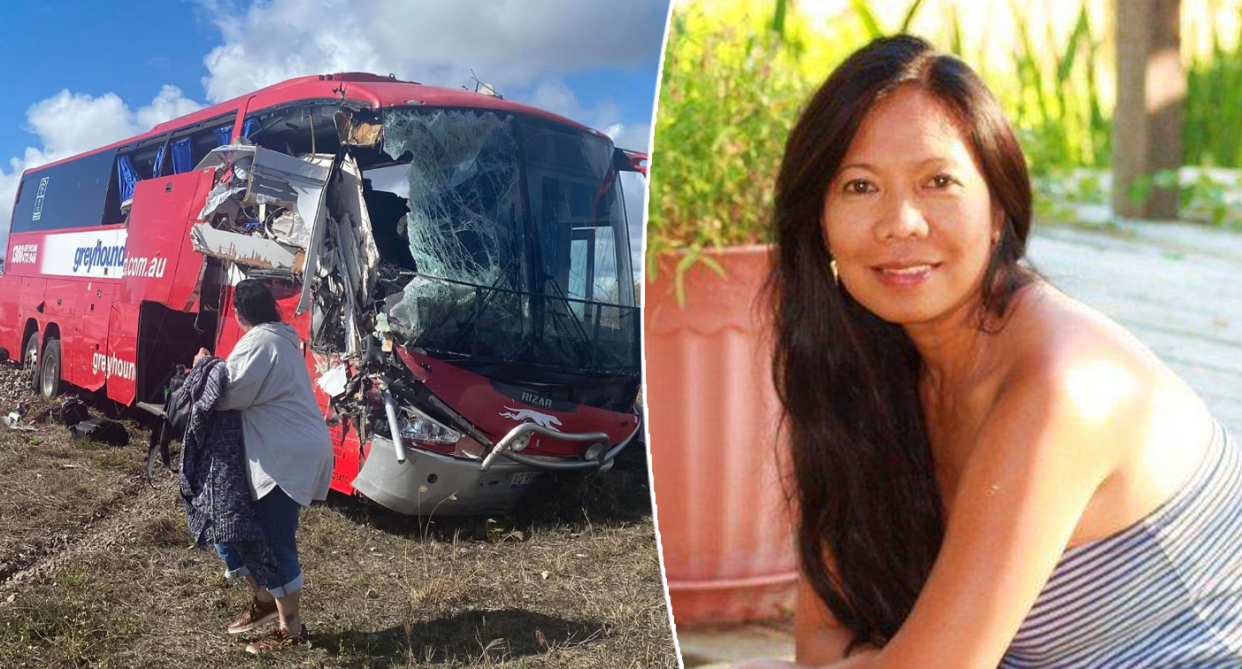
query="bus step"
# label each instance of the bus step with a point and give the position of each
(152, 408)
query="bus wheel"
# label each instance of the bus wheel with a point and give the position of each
(49, 369)
(30, 361)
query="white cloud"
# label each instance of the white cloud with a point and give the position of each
(555, 96)
(511, 43)
(636, 136)
(69, 123)
(168, 104)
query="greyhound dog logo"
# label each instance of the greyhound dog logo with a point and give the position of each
(523, 415)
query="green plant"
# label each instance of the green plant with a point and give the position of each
(1212, 125)
(1057, 106)
(728, 95)
(872, 23)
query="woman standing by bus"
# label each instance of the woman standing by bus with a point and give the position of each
(289, 455)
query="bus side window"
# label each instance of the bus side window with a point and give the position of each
(301, 129)
(70, 194)
(203, 142)
(188, 151)
(130, 168)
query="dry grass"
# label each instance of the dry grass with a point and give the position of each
(100, 571)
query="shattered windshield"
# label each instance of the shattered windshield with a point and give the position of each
(463, 185)
(508, 241)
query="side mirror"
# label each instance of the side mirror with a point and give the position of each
(625, 160)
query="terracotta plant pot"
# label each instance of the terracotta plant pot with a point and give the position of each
(712, 411)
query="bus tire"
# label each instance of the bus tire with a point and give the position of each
(30, 361)
(49, 369)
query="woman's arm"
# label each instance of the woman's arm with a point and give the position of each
(248, 366)
(1055, 433)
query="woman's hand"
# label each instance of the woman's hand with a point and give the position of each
(202, 353)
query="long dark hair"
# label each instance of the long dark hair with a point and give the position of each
(862, 466)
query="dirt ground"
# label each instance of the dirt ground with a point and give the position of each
(97, 569)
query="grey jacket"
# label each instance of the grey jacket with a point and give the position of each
(287, 441)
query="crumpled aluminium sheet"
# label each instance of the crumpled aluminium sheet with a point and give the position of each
(219, 195)
(462, 179)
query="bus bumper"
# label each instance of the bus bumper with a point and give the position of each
(431, 484)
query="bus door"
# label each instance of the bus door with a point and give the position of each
(160, 264)
(123, 344)
(90, 366)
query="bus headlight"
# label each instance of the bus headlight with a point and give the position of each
(418, 426)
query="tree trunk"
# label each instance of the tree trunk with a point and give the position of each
(1147, 123)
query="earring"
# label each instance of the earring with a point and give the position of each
(836, 276)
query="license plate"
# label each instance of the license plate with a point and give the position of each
(522, 479)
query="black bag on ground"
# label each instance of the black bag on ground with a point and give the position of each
(103, 430)
(71, 412)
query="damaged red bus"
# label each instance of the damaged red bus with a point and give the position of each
(457, 266)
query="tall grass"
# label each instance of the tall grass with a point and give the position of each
(1212, 129)
(729, 92)
(1057, 107)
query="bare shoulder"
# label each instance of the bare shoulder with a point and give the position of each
(1080, 357)
(1066, 369)
(1120, 401)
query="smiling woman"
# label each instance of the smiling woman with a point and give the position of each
(987, 472)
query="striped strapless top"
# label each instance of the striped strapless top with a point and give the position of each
(1164, 592)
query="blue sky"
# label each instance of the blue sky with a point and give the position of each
(95, 72)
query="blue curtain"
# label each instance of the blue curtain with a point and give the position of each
(250, 126)
(181, 156)
(223, 135)
(126, 176)
(159, 160)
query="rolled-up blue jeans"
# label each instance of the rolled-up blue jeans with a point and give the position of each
(277, 514)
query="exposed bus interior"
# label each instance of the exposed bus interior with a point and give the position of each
(167, 338)
(164, 155)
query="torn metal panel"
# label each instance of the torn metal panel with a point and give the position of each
(276, 177)
(333, 381)
(350, 202)
(233, 274)
(242, 249)
(221, 199)
(231, 154)
(354, 132)
(289, 228)
(314, 248)
(348, 253)
(344, 249)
